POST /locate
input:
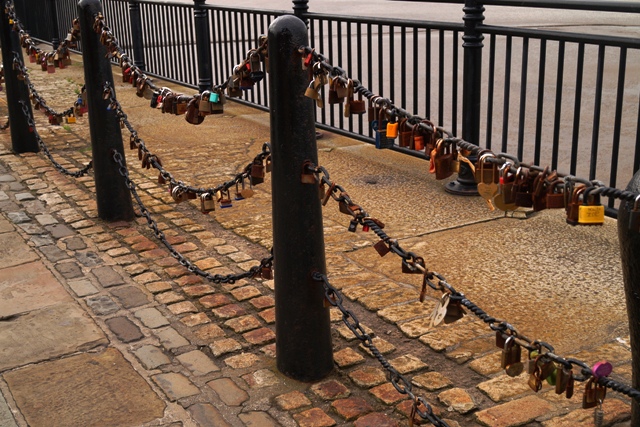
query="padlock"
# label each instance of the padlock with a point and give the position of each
(594, 393)
(591, 211)
(564, 381)
(255, 66)
(245, 192)
(51, 65)
(602, 369)
(504, 199)
(180, 107)
(455, 311)
(380, 128)
(531, 362)
(70, 118)
(487, 178)
(193, 115)
(225, 199)
(382, 248)
(392, 127)
(405, 130)
(333, 97)
(308, 176)
(634, 216)
(354, 106)
(539, 192)
(522, 188)
(266, 273)
(443, 156)
(555, 197)
(372, 111)
(207, 204)
(257, 173)
(204, 105)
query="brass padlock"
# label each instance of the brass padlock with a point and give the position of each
(555, 197)
(455, 311)
(511, 355)
(204, 106)
(442, 158)
(539, 193)
(594, 394)
(573, 208)
(405, 131)
(564, 381)
(504, 199)
(207, 204)
(591, 211)
(522, 188)
(193, 114)
(257, 173)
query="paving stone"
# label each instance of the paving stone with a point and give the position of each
(107, 276)
(442, 338)
(169, 297)
(224, 346)
(82, 389)
(157, 287)
(18, 217)
(347, 357)
(130, 296)
(53, 253)
(292, 400)
(261, 378)
(377, 419)
(314, 417)
(175, 386)
(195, 319)
(208, 263)
(487, 365)
(31, 228)
(457, 400)
(182, 307)
(615, 411)
(207, 416)
(228, 391)
(59, 231)
(330, 390)
(5, 226)
(151, 356)
(415, 328)
(243, 324)
(212, 301)
(368, 376)
(198, 290)
(147, 277)
(170, 338)
(198, 362)
(504, 386)
(3, 196)
(469, 349)
(259, 336)
(75, 244)
(209, 332)
(269, 350)
(387, 394)
(407, 364)
(431, 381)
(268, 315)
(245, 293)
(46, 219)
(124, 329)
(42, 240)
(6, 417)
(82, 288)
(241, 361)
(264, 301)
(102, 305)
(23, 197)
(351, 408)
(151, 317)
(226, 249)
(257, 419)
(514, 413)
(7, 178)
(14, 251)
(346, 333)
(406, 406)
(89, 258)
(239, 256)
(188, 280)
(614, 353)
(385, 299)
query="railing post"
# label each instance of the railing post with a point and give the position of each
(630, 253)
(55, 39)
(303, 333)
(136, 34)
(203, 45)
(300, 9)
(112, 195)
(471, 84)
(22, 141)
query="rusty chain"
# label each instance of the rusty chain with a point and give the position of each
(43, 147)
(263, 269)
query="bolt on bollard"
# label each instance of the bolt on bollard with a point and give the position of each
(630, 253)
(303, 330)
(23, 139)
(112, 195)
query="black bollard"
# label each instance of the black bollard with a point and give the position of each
(465, 184)
(630, 253)
(55, 39)
(23, 139)
(112, 195)
(203, 45)
(136, 34)
(300, 9)
(303, 332)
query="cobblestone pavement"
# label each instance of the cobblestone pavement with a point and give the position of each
(100, 326)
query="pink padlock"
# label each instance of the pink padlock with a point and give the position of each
(602, 369)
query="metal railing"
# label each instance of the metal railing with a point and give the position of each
(552, 97)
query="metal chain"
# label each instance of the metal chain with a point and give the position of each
(415, 264)
(416, 120)
(45, 150)
(265, 263)
(399, 382)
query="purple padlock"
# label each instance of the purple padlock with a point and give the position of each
(602, 369)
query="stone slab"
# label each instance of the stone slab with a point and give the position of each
(6, 418)
(50, 332)
(14, 251)
(85, 390)
(29, 287)
(5, 226)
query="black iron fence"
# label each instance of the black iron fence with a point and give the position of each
(552, 97)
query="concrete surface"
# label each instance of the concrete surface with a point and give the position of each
(138, 341)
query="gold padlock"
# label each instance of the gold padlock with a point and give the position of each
(591, 212)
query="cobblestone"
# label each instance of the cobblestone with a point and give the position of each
(198, 362)
(171, 339)
(151, 357)
(175, 386)
(151, 317)
(124, 329)
(228, 391)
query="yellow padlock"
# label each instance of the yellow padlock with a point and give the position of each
(591, 212)
(70, 119)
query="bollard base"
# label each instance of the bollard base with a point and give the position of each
(460, 188)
